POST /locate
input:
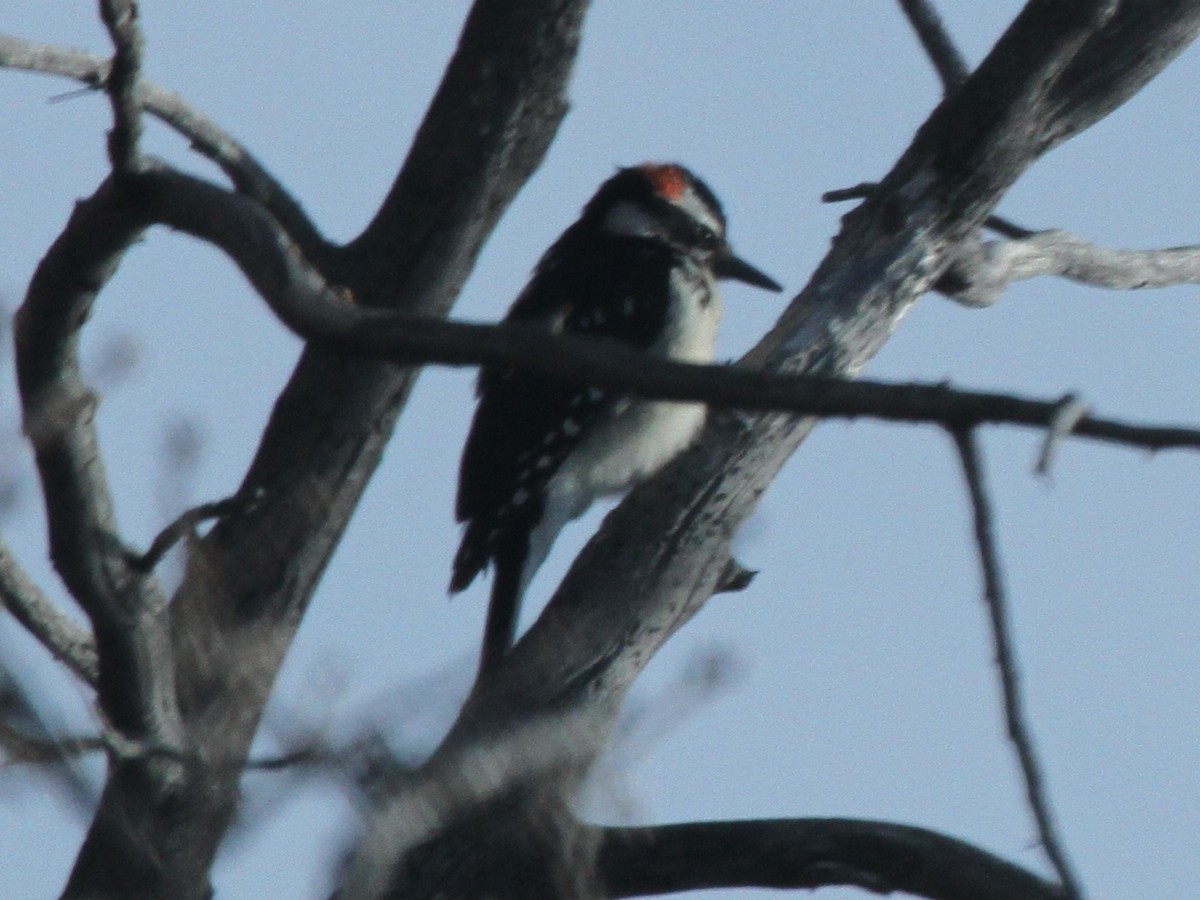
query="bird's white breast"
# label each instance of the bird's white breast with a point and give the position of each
(639, 437)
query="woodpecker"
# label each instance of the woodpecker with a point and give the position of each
(639, 266)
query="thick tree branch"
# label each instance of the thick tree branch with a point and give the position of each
(241, 167)
(135, 676)
(660, 554)
(250, 578)
(1006, 662)
(57, 632)
(457, 783)
(136, 672)
(1117, 61)
(807, 854)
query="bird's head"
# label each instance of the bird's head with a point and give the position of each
(666, 202)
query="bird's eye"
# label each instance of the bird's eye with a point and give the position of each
(705, 236)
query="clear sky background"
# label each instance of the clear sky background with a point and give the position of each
(863, 681)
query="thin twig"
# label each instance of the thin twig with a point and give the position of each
(25, 737)
(180, 528)
(860, 191)
(1072, 410)
(865, 189)
(934, 38)
(1006, 228)
(248, 175)
(994, 597)
(21, 748)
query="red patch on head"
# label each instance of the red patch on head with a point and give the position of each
(668, 181)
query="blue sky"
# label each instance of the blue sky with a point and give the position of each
(864, 680)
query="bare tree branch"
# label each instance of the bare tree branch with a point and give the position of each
(136, 676)
(309, 306)
(879, 857)
(253, 574)
(942, 53)
(659, 555)
(250, 578)
(1006, 663)
(464, 776)
(985, 269)
(135, 673)
(26, 738)
(184, 525)
(864, 189)
(26, 749)
(120, 18)
(56, 631)
(1135, 42)
(982, 270)
(241, 167)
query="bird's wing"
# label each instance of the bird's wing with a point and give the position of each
(526, 423)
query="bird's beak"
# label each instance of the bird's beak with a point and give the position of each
(730, 266)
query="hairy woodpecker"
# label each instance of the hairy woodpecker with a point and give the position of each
(639, 266)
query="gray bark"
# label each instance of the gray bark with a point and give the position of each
(184, 684)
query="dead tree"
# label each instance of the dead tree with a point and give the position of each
(181, 681)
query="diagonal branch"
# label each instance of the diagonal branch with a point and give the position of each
(183, 525)
(1117, 60)
(879, 857)
(206, 137)
(56, 631)
(1006, 663)
(479, 774)
(661, 552)
(938, 46)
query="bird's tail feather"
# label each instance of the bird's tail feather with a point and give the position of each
(501, 628)
(470, 560)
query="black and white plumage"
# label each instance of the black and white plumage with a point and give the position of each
(639, 266)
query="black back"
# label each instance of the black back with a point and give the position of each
(526, 424)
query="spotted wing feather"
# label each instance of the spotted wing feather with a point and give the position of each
(526, 424)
